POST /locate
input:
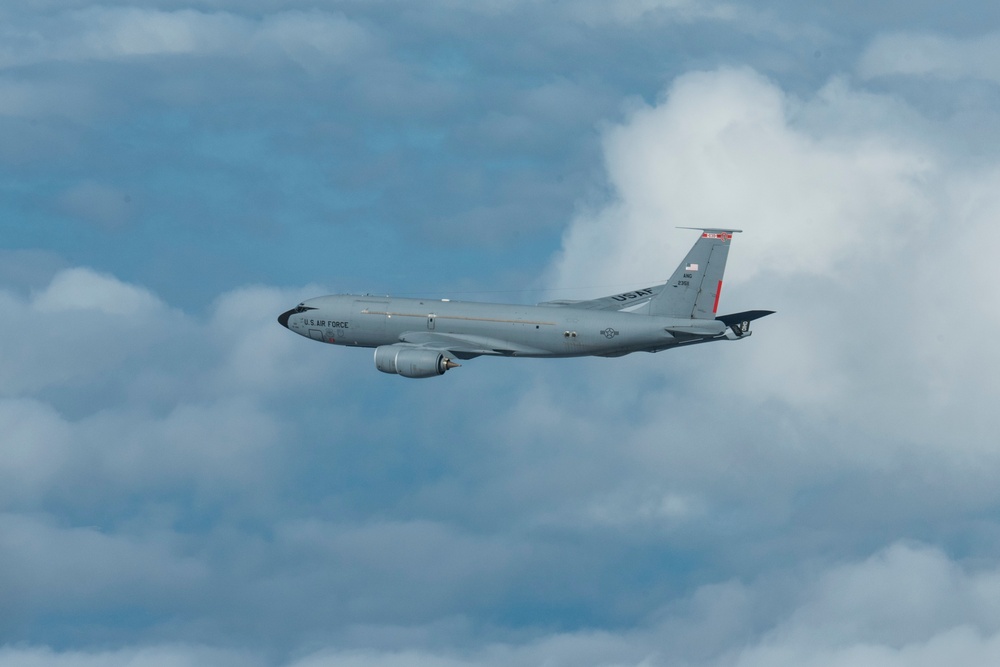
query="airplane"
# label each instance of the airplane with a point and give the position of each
(421, 338)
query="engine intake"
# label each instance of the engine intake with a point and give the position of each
(411, 362)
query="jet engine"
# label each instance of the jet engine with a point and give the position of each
(411, 362)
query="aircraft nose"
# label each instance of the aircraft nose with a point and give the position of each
(283, 318)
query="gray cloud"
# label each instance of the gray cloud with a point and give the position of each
(905, 605)
(108, 33)
(98, 204)
(933, 55)
(179, 655)
(53, 569)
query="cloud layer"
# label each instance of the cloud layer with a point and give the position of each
(183, 481)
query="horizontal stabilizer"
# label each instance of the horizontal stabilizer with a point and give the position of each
(745, 316)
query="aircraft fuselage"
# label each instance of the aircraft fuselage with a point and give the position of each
(499, 329)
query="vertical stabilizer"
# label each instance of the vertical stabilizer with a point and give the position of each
(694, 289)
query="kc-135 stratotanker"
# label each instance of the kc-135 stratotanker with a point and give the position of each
(419, 338)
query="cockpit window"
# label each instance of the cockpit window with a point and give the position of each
(303, 308)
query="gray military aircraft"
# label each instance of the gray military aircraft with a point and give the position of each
(419, 338)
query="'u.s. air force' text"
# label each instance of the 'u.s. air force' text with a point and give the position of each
(326, 323)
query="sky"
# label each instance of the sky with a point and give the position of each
(185, 482)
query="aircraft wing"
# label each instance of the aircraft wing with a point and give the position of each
(626, 301)
(463, 346)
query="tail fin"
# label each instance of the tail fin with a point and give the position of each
(693, 291)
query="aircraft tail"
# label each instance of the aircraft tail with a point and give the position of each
(693, 290)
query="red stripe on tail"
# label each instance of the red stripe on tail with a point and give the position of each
(718, 293)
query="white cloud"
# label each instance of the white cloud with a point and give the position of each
(856, 233)
(649, 508)
(37, 448)
(903, 595)
(906, 605)
(217, 445)
(82, 324)
(722, 150)
(242, 324)
(109, 390)
(211, 448)
(49, 567)
(81, 289)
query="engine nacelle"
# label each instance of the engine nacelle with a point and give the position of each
(411, 362)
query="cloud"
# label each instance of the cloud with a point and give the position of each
(80, 289)
(102, 205)
(309, 38)
(180, 483)
(905, 605)
(849, 229)
(37, 445)
(178, 655)
(932, 55)
(26, 270)
(903, 595)
(84, 325)
(242, 324)
(31, 99)
(598, 13)
(722, 150)
(83, 322)
(108, 390)
(54, 569)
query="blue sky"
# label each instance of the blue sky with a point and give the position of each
(184, 482)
